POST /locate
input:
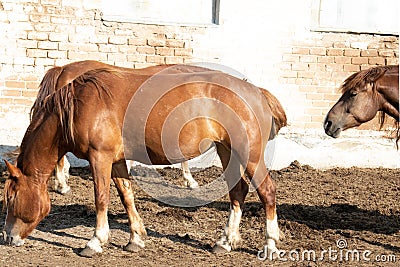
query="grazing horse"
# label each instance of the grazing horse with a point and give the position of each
(364, 93)
(88, 117)
(58, 77)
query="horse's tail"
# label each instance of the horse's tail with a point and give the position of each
(278, 112)
(47, 86)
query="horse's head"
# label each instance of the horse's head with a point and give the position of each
(354, 107)
(359, 103)
(26, 202)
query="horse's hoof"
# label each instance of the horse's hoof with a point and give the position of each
(132, 247)
(88, 252)
(218, 249)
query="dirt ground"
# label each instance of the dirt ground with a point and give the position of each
(336, 213)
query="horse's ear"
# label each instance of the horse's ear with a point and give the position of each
(13, 170)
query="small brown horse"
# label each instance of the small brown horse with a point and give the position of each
(364, 94)
(87, 116)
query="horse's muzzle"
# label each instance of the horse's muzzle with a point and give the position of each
(331, 130)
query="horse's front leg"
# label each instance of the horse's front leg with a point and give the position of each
(121, 179)
(101, 170)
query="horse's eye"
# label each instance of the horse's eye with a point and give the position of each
(353, 94)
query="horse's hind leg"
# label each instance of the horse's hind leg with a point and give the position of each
(238, 191)
(266, 191)
(120, 177)
(61, 173)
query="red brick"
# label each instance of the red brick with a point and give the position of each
(47, 45)
(351, 52)
(175, 43)
(23, 101)
(183, 52)
(57, 54)
(137, 58)
(15, 84)
(317, 118)
(334, 52)
(320, 51)
(301, 50)
(326, 59)
(386, 53)
(359, 60)
(174, 60)
(332, 97)
(32, 85)
(117, 40)
(342, 60)
(350, 67)
(155, 59)
(340, 44)
(146, 50)
(334, 67)
(376, 61)
(392, 61)
(369, 53)
(58, 37)
(156, 42)
(12, 92)
(108, 48)
(164, 51)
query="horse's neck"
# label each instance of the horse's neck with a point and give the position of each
(40, 150)
(388, 88)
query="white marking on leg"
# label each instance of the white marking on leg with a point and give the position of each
(231, 236)
(103, 233)
(190, 182)
(61, 178)
(272, 235)
(94, 244)
(137, 240)
(101, 236)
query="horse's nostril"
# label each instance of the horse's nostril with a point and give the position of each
(328, 125)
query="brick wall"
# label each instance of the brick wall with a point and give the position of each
(302, 68)
(39, 34)
(316, 67)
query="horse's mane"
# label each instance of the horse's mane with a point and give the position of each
(62, 101)
(361, 78)
(371, 75)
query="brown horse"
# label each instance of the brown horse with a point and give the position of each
(58, 77)
(364, 94)
(87, 117)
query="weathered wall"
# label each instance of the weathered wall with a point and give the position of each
(271, 43)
